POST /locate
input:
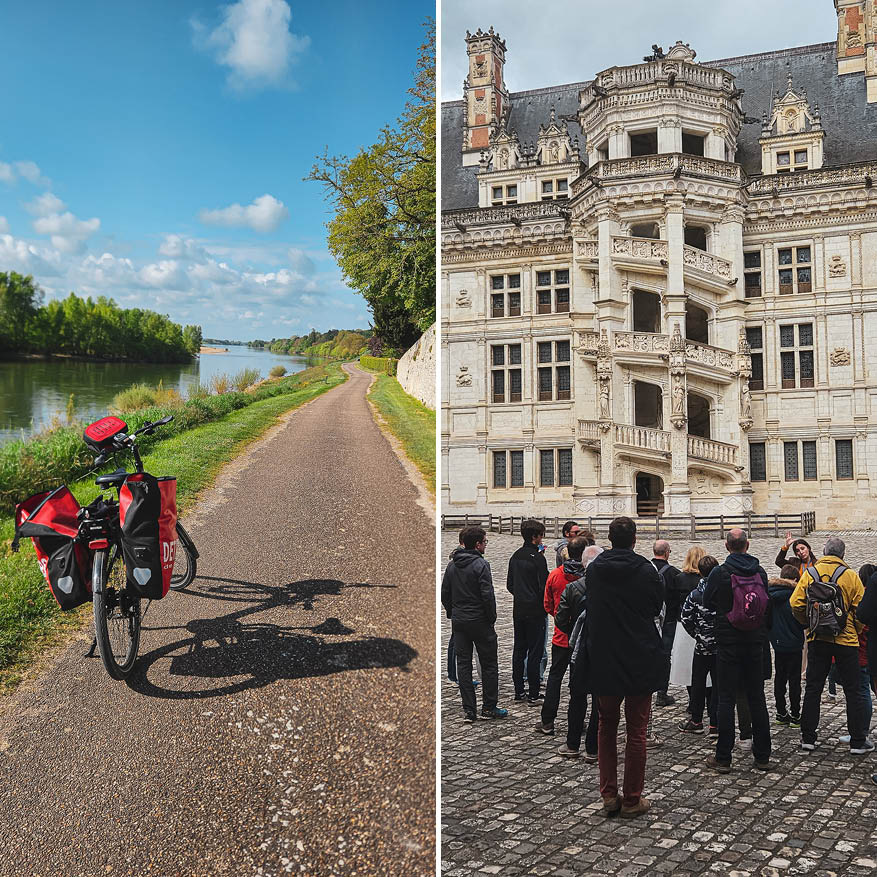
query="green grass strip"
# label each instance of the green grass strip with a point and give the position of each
(410, 421)
(30, 618)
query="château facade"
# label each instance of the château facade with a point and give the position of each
(659, 287)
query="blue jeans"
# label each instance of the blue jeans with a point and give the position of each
(868, 705)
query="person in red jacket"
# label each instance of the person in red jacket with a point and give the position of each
(559, 578)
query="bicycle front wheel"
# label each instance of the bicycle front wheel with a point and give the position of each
(116, 614)
(185, 560)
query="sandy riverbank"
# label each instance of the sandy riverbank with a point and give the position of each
(213, 350)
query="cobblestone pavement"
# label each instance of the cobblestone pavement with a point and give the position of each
(511, 806)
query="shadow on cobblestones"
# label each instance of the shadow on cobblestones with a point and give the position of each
(512, 806)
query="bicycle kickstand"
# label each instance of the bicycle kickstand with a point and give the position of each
(90, 653)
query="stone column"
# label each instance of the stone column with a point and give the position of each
(715, 144)
(619, 145)
(678, 493)
(669, 135)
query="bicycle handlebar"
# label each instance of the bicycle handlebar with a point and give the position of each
(122, 441)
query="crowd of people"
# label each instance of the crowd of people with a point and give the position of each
(626, 627)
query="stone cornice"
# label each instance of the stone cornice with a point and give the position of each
(557, 248)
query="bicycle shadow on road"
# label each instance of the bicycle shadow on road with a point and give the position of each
(227, 648)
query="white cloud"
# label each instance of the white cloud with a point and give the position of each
(27, 258)
(45, 205)
(254, 41)
(4, 224)
(264, 214)
(25, 170)
(167, 274)
(301, 261)
(175, 246)
(68, 233)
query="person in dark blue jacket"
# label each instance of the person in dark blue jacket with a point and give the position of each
(787, 639)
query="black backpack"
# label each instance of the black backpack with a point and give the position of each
(826, 612)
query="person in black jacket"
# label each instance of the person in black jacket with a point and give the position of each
(469, 600)
(627, 661)
(527, 575)
(674, 598)
(787, 639)
(739, 655)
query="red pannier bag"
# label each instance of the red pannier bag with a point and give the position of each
(49, 519)
(148, 519)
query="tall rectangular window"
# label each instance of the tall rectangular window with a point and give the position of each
(505, 295)
(552, 291)
(554, 379)
(752, 273)
(796, 356)
(555, 467)
(557, 188)
(756, 343)
(843, 456)
(546, 468)
(508, 468)
(790, 458)
(757, 462)
(517, 464)
(564, 467)
(808, 455)
(795, 270)
(505, 376)
(499, 468)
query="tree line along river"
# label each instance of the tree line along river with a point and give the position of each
(33, 391)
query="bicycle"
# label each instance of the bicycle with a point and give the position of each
(117, 613)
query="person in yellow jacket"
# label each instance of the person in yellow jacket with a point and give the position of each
(823, 645)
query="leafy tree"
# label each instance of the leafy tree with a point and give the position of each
(383, 231)
(20, 300)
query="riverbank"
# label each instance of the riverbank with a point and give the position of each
(213, 350)
(29, 618)
(411, 422)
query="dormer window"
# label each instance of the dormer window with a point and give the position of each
(555, 189)
(504, 195)
(792, 160)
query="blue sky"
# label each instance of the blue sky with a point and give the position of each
(154, 152)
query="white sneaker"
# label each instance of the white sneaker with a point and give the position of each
(844, 738)
(745, 745)
(864, 749)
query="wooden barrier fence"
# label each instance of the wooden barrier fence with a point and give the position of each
(692, 526)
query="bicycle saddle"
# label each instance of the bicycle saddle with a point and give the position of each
(112, 479)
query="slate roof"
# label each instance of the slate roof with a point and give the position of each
(850, 122)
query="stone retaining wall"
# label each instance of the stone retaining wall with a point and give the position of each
(415, 371)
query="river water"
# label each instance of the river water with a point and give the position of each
(32, 392)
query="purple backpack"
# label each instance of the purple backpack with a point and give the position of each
(750, 602)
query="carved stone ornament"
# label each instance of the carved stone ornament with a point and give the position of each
(464, 379)
(677, 416)
(605, 411)
(464, 299)
(840, 356)
(745, 407)
(604, 360)
(676, 343)
(837, 267)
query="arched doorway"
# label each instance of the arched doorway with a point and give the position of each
(698, 416)
(649, 495)
(648, 406)
(697, 324)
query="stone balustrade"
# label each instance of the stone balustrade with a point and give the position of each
(589, 430)
(587, 249)
(712, 451)
(661, 164)
(641, 342)
(642, 437)
(588, 342)
(720, 268)
(453, 219)
(706, 354)
(639, 248)
(849, 175)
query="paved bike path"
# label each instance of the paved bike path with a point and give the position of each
(281, 715)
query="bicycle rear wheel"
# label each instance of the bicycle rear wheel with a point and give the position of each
(116, 614)
(185, 560)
